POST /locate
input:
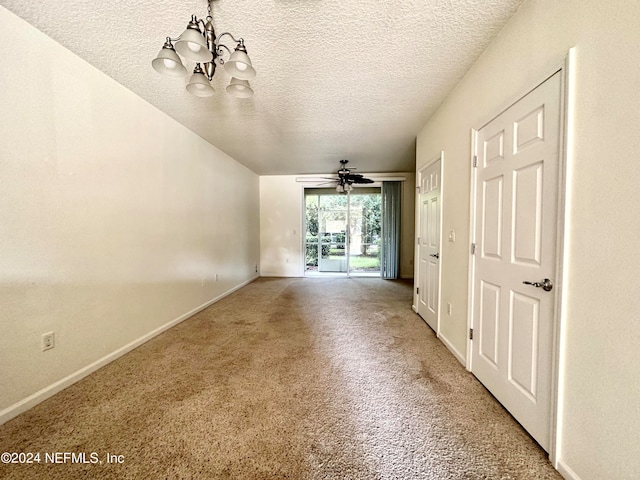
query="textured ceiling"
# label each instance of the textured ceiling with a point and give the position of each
(353, 79)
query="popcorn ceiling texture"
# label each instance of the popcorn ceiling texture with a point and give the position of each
(285, 378)
(336, 79)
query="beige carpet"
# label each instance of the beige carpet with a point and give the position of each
(286, 378)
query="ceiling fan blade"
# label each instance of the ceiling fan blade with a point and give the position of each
(343, 177)
(362, 180)
(316, 179)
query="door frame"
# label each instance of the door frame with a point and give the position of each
(566, 68)
(416, 273)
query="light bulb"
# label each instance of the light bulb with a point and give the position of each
(194, 47)
(241, 66)
(169, 63)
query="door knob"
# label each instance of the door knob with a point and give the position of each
(435, 255)
(546, 284)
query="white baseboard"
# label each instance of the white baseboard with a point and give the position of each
(280, 275)
(414, 308)
(41, 395)
(566, 472)
(452, 349)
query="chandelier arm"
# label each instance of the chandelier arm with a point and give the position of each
(200, 22)
(220, 52)
(239, 41)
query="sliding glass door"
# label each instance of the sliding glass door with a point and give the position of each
(343, 232)
(332, 227)
(364, 233)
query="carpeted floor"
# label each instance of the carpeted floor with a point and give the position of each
(286, 378)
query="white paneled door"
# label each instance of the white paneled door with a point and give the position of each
(515, 256)
(429, 244)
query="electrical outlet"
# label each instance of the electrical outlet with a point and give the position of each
(449, 308)
(256, 268)
(216, 277)
(48, 341)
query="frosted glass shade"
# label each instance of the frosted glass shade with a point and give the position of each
(168, 63)
(193, 46)
(199, 85)
(239, 66)
(239, 88)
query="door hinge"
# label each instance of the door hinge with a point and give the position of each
(473, 249)
(471, 334)
(417, 290)
(418, 240)
(475, 160)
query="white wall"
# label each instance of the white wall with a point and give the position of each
(114, 218)
(281, 207)
(600, 417)
(281, 234)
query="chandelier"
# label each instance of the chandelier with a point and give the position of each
(199, 44)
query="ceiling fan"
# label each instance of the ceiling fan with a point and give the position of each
(346, 178)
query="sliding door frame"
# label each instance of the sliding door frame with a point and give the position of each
(347, 239)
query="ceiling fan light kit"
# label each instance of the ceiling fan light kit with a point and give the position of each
(346, 179)
(200, 44)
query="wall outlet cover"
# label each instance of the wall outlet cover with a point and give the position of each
(48, 341)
